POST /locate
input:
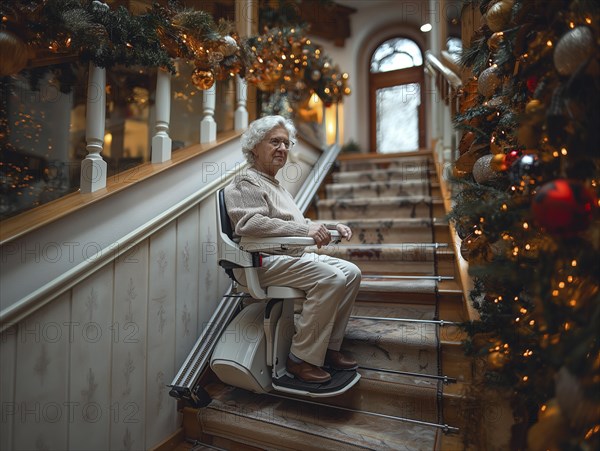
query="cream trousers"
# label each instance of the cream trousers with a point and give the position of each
(331, 285)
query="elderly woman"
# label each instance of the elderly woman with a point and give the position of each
(260, 207)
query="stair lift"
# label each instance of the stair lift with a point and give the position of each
(252, 350)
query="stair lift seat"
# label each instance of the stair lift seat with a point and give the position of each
(252, 351)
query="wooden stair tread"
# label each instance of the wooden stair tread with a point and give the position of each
(291, 424)
(387, 310)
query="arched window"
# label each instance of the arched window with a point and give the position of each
(396, 97)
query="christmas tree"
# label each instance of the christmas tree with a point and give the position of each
(526, 209)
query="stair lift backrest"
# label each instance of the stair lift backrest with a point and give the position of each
(230, 255)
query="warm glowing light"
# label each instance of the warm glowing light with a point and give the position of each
(426, 27)
(554, 292)
(572, 302)
(555, 154)
(570, 279)
(588, 20)
(525, 225)
(549, 43)
(574, 263)
(572, 24)
(563, 151)
(561, 285)
(532, 322)
(523, 310)
(525, 378)
(543, 408)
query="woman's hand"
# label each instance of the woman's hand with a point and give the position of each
(344, 230)
(319, 233)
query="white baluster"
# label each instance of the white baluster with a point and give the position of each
(93, 167)
(208, 126)
(241, 112)
(161, 142)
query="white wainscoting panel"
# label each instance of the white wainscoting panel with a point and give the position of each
(8, 407)
(130, 316)
(209, 269)
(188, 245)
(41, 389)
(92, 333)
(160, 370)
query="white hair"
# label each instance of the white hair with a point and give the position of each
(259, 128)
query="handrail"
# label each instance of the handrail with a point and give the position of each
(317, 175)
(436, 65)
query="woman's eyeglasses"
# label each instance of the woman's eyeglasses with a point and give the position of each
(276, 142)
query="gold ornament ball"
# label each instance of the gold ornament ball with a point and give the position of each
(533, 106)
(498, 162)
(203, 79)
(495, 40)
(15, 54)
(550, 430)
(498, 16)
(489, 80)
(573, 49)
(496, 360)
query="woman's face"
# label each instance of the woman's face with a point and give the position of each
(271, 153)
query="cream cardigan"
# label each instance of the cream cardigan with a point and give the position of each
(260, 207)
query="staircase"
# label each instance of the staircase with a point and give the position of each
(401, 332)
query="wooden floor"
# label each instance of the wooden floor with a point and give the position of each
(413, 371)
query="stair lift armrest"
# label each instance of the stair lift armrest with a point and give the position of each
(279, 243)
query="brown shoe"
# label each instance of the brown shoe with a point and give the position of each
(307, 372)
(338, 361)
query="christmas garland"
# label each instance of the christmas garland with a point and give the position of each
(281, 59)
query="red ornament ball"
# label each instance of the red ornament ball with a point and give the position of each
(511, 157)
(532, 83)
(564, 206)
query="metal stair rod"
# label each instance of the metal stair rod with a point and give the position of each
(444, 427)
(425, 277)
(445, 379)
(440, 322)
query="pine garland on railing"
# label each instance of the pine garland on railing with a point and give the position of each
(282, 59)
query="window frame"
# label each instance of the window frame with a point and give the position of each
(380, 80)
